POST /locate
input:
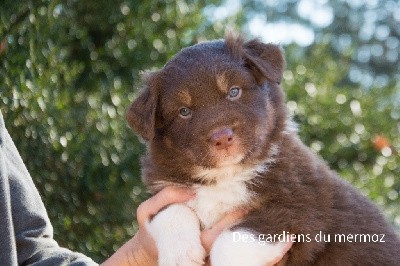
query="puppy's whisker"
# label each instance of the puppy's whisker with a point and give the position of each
(203, 158)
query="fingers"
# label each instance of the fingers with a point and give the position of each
(208, 236)
(165, 197)
(151, 207)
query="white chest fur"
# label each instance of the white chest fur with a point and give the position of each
(182, 221)
(229, 192)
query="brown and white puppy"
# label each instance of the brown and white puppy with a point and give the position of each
(214, 119)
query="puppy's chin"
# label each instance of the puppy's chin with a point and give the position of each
(231, 155)
(228, 160)
(236, 156)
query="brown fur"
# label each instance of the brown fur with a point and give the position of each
(297, 194)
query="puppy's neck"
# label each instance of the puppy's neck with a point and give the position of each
(228, 188)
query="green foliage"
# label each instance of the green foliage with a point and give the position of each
(356, 130)
(69, 70)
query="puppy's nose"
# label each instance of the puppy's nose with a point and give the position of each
(222, 139)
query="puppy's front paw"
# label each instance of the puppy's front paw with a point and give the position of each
(185, 252)
(176, 231)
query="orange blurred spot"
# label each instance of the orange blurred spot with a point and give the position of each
(98, 195)
(3, 46)
(380, 142)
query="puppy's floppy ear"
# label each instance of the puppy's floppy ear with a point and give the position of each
(264, 60)
(141, 115)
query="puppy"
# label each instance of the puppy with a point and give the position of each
(214, 119)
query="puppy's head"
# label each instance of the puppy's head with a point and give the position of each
(215, 104)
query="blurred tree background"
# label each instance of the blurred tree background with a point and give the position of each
(69, 70)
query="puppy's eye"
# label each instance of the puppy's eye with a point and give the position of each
(185, 112)
(234, 93)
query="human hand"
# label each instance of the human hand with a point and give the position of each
(166, 197)
(208, 236)
(141, 249)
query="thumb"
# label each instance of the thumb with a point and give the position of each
(208, 236)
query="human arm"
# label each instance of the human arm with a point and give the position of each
(26, 236)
